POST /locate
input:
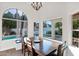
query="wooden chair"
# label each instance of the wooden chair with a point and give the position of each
(30, 48)
(76, 41)
(24, 46)
(38, 41)
(60, 51)
(34, 52)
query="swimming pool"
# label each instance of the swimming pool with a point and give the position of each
(9, 37)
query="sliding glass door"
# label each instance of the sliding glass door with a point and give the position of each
(75, 30)
(36, 30)
(58, 30)
(52, 29)
(47, 29)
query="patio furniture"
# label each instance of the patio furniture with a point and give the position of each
(57, 52)
(34, 40)
(76, 42)
(24, 46)
(30, 48)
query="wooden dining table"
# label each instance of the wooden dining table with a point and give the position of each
(43, 47)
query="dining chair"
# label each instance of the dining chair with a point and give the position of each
(30, 48)
(59, 51)
(33, 40)
(76, 41)
(24, 46)
(34, 52)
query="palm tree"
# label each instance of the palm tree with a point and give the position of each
(58, 25)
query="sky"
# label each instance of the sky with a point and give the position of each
(48, 22)
(13, 11)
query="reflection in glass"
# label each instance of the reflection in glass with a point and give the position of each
(58, 31)
(8, 27)
(14, 24)
(47, 25)
(75, 35)
(14, 14)
(36, 30)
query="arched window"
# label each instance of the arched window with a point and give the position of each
(14, 24)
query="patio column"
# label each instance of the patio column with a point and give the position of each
(53, 29)
(0, 27)
(67, 29)
(18, 28)
(41, 28)
(1, 13)
(30, 28)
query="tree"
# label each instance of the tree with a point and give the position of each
(8, 15)
(44, 25)
(23, 17)
(7, 26)
(9, 23)
(58, 25)
(75, 24)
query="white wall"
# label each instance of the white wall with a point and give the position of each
(71, 8)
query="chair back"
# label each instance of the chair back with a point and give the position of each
(61, 49)
(29, 46)
(24, 46)
(34, 52)
(25, 39)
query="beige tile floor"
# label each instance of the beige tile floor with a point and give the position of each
(11, 52)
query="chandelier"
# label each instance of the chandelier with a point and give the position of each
(36, 5)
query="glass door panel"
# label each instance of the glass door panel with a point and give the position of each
(47, 29)
(36, 30)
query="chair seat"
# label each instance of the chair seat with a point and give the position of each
(52, 53)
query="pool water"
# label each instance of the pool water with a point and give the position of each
(9, 37)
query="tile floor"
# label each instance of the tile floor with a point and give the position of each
(11, 52)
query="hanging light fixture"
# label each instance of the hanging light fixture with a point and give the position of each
(36, 5)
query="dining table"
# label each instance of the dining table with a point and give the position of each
(43, 47)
